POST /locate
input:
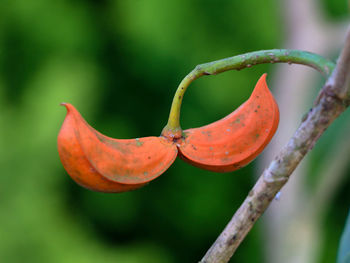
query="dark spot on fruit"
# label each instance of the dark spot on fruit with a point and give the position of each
(208, 133)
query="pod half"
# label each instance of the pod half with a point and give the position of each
(104, 164)
(234, 141)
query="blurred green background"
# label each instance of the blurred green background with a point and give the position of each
(119, 63)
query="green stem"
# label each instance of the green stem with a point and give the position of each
(321, 64)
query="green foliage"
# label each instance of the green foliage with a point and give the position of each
(336, 9)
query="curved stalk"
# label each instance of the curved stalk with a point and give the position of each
(321, 64)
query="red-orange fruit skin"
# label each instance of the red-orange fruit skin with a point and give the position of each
(104, 164)
(78, 167)
(234, 141)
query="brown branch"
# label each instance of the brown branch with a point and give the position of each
(331, 102)
(340, 80)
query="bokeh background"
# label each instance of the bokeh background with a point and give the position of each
(119, 62)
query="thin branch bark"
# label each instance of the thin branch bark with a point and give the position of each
(306, 27)
(340, 80)
(330, 103)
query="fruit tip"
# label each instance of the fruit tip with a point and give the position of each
(262, 79)
(67, 105)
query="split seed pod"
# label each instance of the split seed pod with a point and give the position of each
(234, 141)
(104, 164)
